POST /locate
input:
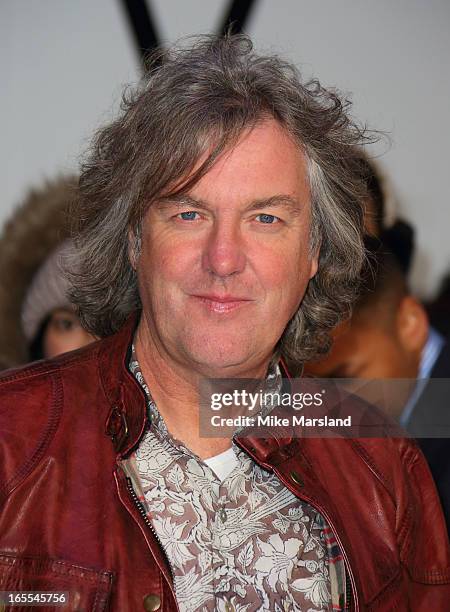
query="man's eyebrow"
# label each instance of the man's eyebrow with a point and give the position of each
(181, 200)
(279, 200)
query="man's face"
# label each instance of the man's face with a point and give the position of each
(364, 350)
(223, 269)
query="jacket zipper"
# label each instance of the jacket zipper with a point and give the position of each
(348, 591)
(138, 504)
(142, 512)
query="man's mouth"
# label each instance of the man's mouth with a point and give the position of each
(222, 303)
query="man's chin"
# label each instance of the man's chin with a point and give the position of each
(220, 363)
(229, 368)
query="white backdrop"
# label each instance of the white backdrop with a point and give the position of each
(64, 64)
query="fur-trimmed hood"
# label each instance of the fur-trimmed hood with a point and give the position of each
(30, 235)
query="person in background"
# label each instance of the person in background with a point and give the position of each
(36, 317)
(389, 337)
(49, 321)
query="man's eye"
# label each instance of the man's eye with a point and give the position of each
(188, 216)
(268, 219)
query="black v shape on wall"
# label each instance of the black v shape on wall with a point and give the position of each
(145, 33)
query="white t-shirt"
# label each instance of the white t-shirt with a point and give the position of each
(222, 464)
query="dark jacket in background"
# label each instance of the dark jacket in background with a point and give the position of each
(432, 414)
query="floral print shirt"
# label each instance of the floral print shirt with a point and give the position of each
(238, 545)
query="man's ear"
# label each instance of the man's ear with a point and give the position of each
(412, 325)
(134, 247)
(314, 267)
(314, 263)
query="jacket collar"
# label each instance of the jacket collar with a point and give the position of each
(127, 417)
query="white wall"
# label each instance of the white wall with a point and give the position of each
(64, 63)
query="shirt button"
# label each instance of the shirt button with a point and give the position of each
(223, 516)
(229, 607)
(152, 603)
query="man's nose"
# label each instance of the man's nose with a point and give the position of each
(224, 252)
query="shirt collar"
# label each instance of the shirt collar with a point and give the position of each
(273, 384)
(428, 358)
(430, 353)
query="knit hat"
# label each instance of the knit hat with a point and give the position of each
(47, 292)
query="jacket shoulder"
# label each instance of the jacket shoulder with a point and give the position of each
(31, 407)
(421, 529)
(384, 456)
(38, 372)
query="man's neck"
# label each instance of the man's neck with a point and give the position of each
(174, 388)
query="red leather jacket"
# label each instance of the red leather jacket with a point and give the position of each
(68, 520)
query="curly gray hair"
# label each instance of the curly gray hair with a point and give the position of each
(194, 102)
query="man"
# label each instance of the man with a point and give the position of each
(224, 206)
(389, 337)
